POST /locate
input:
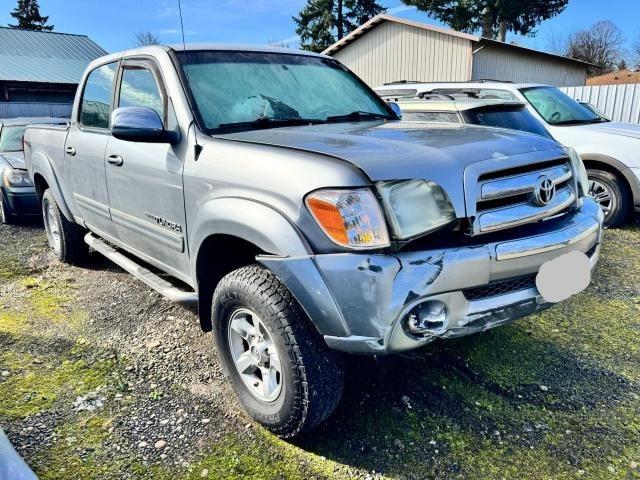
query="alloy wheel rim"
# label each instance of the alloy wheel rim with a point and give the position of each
(603, 196)
(255, 355)
(51, 226)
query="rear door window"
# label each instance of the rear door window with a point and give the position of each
(96, 98)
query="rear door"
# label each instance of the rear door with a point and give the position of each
(85, 147)
(145, 179)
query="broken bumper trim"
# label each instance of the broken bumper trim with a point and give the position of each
(357, 300)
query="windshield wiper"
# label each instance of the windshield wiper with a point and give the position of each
(267, 122)
(358, 115)
(579, 122)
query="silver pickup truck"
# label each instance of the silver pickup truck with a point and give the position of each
(303, 216)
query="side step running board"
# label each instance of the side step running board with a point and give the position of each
(160, 285)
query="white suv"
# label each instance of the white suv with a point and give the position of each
(610, 151)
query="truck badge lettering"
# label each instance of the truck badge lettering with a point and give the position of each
(163, 222)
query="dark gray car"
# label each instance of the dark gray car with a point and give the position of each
(17, 193)
(306, 220)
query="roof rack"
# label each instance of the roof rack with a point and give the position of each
(489, 80)
(436, 96)
(402, 82)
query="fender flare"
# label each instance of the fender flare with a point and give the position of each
(260, 224)
(620, 167)
(250, 220)
(42, 165)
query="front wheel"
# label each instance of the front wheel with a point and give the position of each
(65, 238)
(612, 194)
(280, 368)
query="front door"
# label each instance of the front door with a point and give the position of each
(145, 179)
(85, 148)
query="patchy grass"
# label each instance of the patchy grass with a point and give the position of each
(553, 396)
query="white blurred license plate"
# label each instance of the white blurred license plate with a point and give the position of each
(563, 276)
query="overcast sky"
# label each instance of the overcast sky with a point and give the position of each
(113, 23)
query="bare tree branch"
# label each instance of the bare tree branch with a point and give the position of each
(143, 39)
(602, 44)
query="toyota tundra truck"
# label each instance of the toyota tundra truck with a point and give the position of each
(279, 193)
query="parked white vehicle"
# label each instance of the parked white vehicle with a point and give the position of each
(610, 150)
(441, 108)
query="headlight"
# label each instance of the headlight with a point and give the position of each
(415, 207)
(351, 218)
(579, 171)
(15, 178)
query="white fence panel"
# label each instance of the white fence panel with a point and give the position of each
(621, 103)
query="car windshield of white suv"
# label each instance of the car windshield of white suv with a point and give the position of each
(11, 138)
(236, 90)
(557, 108)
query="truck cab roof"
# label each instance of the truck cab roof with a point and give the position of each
(192, 47)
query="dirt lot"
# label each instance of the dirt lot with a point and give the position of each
(102, 378)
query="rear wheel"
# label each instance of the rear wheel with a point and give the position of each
(281, 369)
(65, 238)
(611, 193)
(6, 216)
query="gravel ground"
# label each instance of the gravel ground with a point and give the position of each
(102, 378)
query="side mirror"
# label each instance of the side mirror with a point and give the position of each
(140, 124)
(396, 109)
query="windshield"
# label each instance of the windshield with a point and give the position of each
(557, 108)
(11, 138)
(246, 90)
(511, 117)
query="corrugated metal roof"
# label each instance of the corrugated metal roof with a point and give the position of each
(48, 57)
(382, 17)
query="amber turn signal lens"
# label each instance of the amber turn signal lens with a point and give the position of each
(328, 216)
(351, 218)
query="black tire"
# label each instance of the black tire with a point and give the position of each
(617, 205)
(6, 216)
(312, 373)
(69, 245)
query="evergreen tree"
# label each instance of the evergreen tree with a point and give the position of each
(27, 12)
(492, 17)
(322, 22)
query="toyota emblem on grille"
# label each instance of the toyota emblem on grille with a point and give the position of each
(544, 191)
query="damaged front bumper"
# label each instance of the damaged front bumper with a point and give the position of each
(360, 302)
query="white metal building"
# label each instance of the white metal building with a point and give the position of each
(388, 49)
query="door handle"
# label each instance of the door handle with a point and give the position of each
(115, 160)
(70, 151)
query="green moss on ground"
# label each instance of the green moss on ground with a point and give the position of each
(79, 453)
(34, 387)
(265, 457)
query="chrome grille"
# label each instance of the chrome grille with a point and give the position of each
(507, 199)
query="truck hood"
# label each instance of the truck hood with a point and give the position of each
(406, 150)
(616, 128)
(402, 150)
(15, 160)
